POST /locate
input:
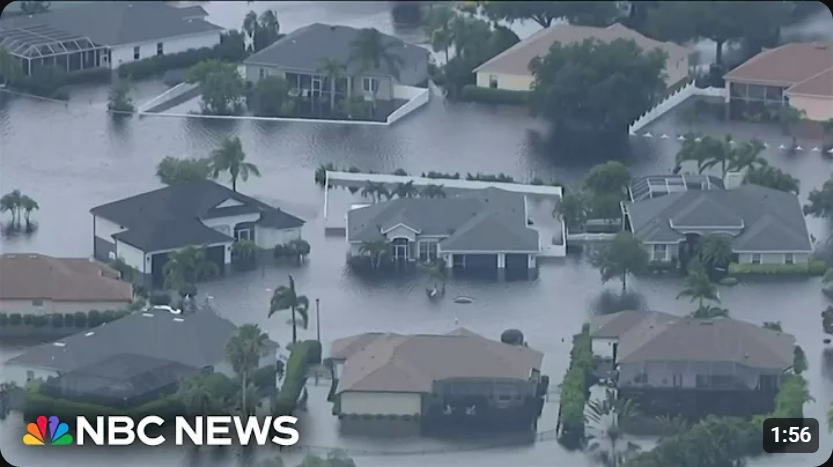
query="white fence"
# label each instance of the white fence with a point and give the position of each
(417, 97)
(170, 94)
(672, 101)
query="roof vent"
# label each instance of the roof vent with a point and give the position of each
(59, 344)
(147, 315)
(179, 320)
(89, 334)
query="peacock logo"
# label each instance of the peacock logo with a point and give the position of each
(37, 432)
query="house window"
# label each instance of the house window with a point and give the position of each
(660, 252)
(493, 81)
(244, 234)
(427, 251)
(756, 258)
(768, 382)
(370, 85)
(262, 73)
(789, 258)
(678, 380)
(37, 302)
(160, 48)
(136, 53)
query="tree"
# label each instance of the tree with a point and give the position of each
(820, 202)
(772, 177)
(119, 98)
(716, 250)
(789, 117)
(28, 205)
(196, 397)
(335, 458)
(624, 255)
(286, 298)
(605, 418)
(11, 202)
(720, 152)
(512, 337)
(9, 66)
(229, 157)
(432, 191)
(692, 151)
(370, 49)
(747, 155)
(261, 30)
(34, 7)
(611, 177)
(671, 425)
(710, 312)
(172, 171)
(187, 266)
(243, 352)
(376, 250)
(406, 190)
(221, 86)
(595, 86)
(376, 190)
(699, 287)
(605, 206)
(573, 208)
(582, 13)
(773, 325)
(332, 69)
(268, 96)
(828, 125)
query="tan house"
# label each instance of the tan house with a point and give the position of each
(33, 283)
(510, 69)
(798, 74)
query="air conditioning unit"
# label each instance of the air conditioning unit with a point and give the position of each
(112, 256)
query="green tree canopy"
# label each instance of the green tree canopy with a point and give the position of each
(611, 177)
(772, 177)
(596, 86)
(698, 287)
(370, 49)
(602, 13)
(820, 202)
(268, 95)
(716, 250)
(231, 158)
(172, 171)
(187, 266)
(286, 298)
(243, 352)
(624, 255)
(221, 87)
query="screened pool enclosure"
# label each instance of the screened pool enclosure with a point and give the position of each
(39, 45)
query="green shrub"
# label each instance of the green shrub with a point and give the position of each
(57, 320)
(120, 314)
(107, 316)
(815, 268)
(93, 318)
(15, 319)
(69, 320)
(40, 321)
(294, 378)
(4, 319)
(575, 390)
(27, 320)
(244, 255)
(473, 93)
(80, 319)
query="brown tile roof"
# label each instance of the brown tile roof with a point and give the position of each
(515, 60)
(786, 65)
(411, 363)
(818, 85)
(25, 276)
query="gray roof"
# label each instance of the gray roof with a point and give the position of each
(616, 324)
(196, 340)
(490, 219)
(118, 23)
(411, 363)
(770, 220)
(306, 48)
(718, 340)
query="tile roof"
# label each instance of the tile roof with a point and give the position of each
(818, 85)
(772, 220)
(515, 60)
(28, 276)
(411, 363)
(717, 340)
(490, 219)
(616, 324)
(306, 48)
(787, 65)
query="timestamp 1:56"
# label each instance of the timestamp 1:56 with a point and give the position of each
(792, 435)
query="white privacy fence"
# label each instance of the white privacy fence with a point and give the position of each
(416, 97)
(672, 101)
(168, 95)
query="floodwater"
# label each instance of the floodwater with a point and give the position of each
(73, 157)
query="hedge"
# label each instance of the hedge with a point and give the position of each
(264, 378)
(227, 50)
(37, 404)
(813, 268)
(575, 390)
(79, 319)
(473, 93)
(295, 377)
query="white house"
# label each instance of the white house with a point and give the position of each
(143, 229)
(86, 36)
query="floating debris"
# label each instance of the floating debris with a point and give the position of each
(648, 135)
(782, 146)
(463, 300)
(799, 148)
(681, 138)
(816, 149)
(664, 136)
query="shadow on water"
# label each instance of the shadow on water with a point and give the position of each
(610, 301)
(11, 230)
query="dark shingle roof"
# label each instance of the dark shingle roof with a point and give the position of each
(306, 48)
(169, 217)
(772, 220)
(490, 219)
(195, 340)
(118, 23)
(616, 324)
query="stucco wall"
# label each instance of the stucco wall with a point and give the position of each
(661, 374)
(385, 403)
(133, 256)
(385, 91)
(506, 81)
(673, 252)
(401, 232)
(269, 238)
(819, 109)
(773, 258)
(124, 53)
(226, 224)
(603, 347)
(17, 374)
(51, 306)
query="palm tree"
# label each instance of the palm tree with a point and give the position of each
(376, 249)
(28, 205)
(376, 190)
(405, 190)
(286, 298)
(370, 49)
(710, 312)
(604, 419)
(699, 287)
(671, 425)
(229, 157)
(716, 250)
(195, 396)
(772, 177)
(719, 152)
(433, 191)
(789, 117)
(11, 202)
(9, 66)
(243, 352)
(624, 255)
(441, 40)
(187, 266)
(332, 69)
(747, 155)
(691, 151)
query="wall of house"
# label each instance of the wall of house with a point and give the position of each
(386, 403)
(122, 54)
(416, 73)
(52, 306)
(268, 238)
(673, 252)
(133, 257)
(676, 69)
(603, 347)
(401, 232)
(385, 91)
(506, 81)
(226, 224)
(819, 109)
(103, 242)
(661, 374)
(21, 374)
(773, 258)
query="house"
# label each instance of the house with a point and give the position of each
(767, 226)
(134, 358)
(298, 58)
(798, 74)
(143, 229)
(454, 379)
(484, 228)
(510, 69)
(605, 330)
(684, 365)
(33, 283)
(105, 34)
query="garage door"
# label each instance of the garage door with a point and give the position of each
(217, 255)
(479, 261)
(517, 261)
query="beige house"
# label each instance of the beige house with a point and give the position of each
(33, 283)
(798, 74)
(510, 69)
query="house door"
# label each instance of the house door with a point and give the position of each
(316, 86)
(400, 249)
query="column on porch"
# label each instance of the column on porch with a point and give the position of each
(501, 260)
(531, 261)
(449, 261)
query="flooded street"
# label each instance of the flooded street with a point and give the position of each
(73, 157)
